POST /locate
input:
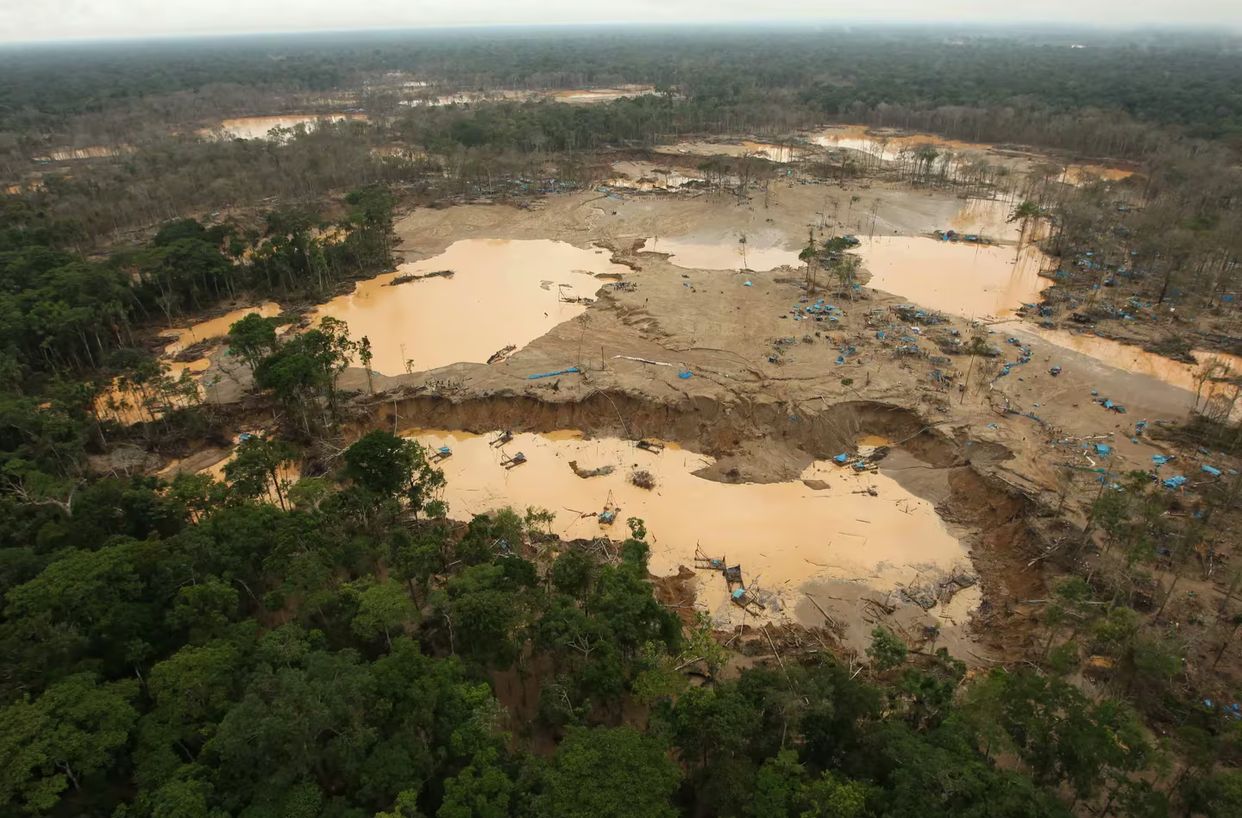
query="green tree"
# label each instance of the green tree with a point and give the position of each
(253, 338)
(886, 650)
(62, 740)
(831, 796)
(609, 773)
(480, 790)
(386, 466)
(255, 470)
(383, 607)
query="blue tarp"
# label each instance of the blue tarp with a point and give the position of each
(1212, 470)
(1174, 482)
(842, 459)
(570, 371)
(1161, 459)
(1103, 449)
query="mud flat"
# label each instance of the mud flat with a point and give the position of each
(648, 176)
(259, 127)
(501, 293)
(745, 147)
(569, 96)
(1194, 378)
(586, 96)
(90, 152)
(968, 280)
(887, 146)
(826, 525)
(732, 250)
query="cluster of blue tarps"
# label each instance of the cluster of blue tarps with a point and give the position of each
(1024, 357)
(1233, 711)
(819, 311)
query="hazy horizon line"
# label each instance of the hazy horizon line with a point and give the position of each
(1223, 30)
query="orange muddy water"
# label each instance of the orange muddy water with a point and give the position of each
(973, 281)
(782, 534)
(218, 327)
(990, 218)
(503, 292)
(128, 404)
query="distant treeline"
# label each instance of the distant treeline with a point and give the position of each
(1171, 79)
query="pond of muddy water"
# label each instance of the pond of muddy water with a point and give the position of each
(990, 218)
(127, 404)
(969, 280)
(502, 292)
(218, 327)
(782, 534)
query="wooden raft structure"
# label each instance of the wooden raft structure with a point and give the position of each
(609, 514)
(739, 594)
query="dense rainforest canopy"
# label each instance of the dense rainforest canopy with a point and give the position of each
(1161, 77)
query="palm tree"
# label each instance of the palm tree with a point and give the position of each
(1026, 212)
(808, 255)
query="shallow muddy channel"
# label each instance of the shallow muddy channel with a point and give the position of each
(860, 530)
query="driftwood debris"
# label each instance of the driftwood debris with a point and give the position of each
(408, 277)
(599, 471)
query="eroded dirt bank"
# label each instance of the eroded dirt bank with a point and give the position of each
(900, 581)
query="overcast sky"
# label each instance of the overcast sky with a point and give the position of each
(25, 20)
